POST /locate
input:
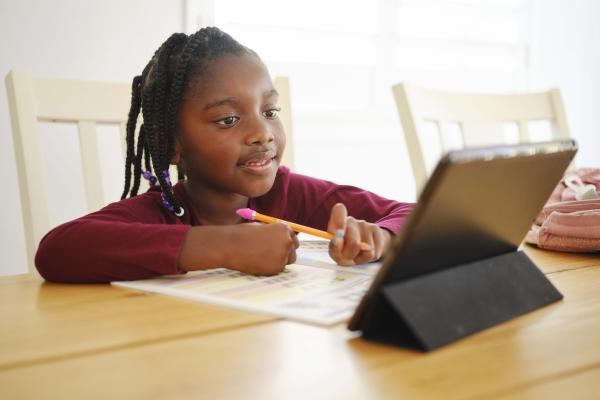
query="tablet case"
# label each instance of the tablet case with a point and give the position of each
(453, 272)
(435, 309)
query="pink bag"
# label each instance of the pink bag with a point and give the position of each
(570, 221)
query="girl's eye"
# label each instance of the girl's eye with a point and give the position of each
(228, 121)
(272, 113)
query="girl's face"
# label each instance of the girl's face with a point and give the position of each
(231, 139)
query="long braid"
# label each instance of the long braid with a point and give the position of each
(147, 163)
(148, 122)
(179, 79)
(161, 89)
(157, 93)
(165, 137)
(134, 111)
(161, 138)
(136, 157)
(137, 166)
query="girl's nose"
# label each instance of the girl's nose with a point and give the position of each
(259, 132)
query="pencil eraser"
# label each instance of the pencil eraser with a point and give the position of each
(246, 213)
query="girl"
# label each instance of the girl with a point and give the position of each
(209, 107)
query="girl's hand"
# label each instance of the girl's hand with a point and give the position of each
(252, 248)
(344, 248)
(263, 249)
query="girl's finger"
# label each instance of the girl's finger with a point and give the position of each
(291, 258)
(378, 241)
(351, 242)
(337, 224)
(295, 239)
(366, 236)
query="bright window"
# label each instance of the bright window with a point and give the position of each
(342, 58)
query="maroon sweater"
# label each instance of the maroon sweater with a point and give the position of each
(138, 238)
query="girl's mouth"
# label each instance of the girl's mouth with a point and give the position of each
(258, 166)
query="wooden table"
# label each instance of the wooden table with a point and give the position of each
(97, 341)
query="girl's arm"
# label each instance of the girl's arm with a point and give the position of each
(111, 244)
(114, 244)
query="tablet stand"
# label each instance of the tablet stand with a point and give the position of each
(431, 310)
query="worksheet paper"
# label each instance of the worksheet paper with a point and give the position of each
(313, 290)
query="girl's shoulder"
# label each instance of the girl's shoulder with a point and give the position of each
(145, 208)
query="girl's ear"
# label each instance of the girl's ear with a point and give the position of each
(176, 153)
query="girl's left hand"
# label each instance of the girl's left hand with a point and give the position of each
(348, 232)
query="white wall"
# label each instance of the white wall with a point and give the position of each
(565, 53)
(74, 39)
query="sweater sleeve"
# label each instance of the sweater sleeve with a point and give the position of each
(114, 243)
(315, 198)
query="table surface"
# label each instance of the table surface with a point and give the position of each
(99, 341)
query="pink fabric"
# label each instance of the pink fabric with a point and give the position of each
(567, 224)
(588, 176)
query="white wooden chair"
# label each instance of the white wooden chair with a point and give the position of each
(32, 100)
(473, 113)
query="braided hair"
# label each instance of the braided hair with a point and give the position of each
(157, 94)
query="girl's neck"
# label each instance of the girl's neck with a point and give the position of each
(213, 207)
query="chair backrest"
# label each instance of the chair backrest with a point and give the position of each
(32, 100)
(473, 113)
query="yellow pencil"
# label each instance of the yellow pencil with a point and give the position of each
(251, 215)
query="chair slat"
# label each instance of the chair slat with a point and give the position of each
(523, 131)
(410, 126)
(441, 139)
(282, 85)
(483, 108)
(123, 136)
(28, 155)
(90, 159)
(65, 100)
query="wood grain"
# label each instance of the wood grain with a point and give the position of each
(554, 261)
(584, 385)
(45, 321)
(282, 359)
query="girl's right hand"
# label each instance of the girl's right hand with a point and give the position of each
(252, 248)
(263, 249)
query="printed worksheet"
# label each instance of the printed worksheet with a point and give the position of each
(315, 253)
(320, 292)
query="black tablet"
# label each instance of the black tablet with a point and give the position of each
(478, 203)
